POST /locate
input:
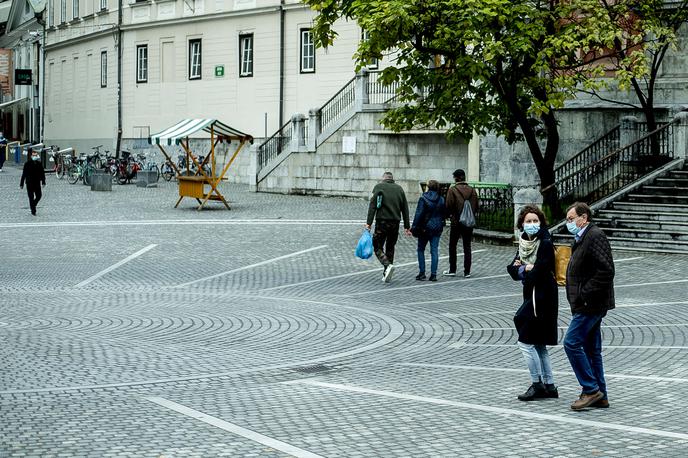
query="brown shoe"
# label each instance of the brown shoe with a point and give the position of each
(586, 400)
(601, 404)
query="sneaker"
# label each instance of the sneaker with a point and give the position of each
(433, 277)
(421, 276)
(534, 391)
(551, 391)
(586, 400)
(387, 276)
(601, 404)
(466, 275)
(448, 273)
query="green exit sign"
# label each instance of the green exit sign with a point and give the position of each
(219, 71)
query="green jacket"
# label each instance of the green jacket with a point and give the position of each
(388, 203)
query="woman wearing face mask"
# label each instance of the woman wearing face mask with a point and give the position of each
(536, 319)
(34, 175)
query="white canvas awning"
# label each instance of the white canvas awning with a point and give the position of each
(173, 135)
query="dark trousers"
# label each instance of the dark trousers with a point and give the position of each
(583, 346)
(35, 193)
(2, 155)
(385, 238)
(459, 231)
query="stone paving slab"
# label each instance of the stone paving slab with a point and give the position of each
(285, 338)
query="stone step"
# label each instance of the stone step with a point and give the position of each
(626, 223)
(657, 190)
(672, 182)
(651, 215)
(658, 198)
(651, 245)
(634, 244)
(649, 207)
(642, 233)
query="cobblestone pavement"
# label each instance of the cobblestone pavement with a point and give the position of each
(129, 328)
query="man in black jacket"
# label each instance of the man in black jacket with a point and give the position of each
(388, 205)
(590, 291)
(34, 175)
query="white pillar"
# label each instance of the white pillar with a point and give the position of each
(681, 135)
(314, 119)
(361, 89)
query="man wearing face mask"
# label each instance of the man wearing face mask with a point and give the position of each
(590, 291)
(34, 175)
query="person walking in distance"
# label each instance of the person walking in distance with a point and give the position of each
(536, 318)
(34, 175)
(459, 193)
(387, 206)
(3, 150)
(428, 224)
(590, 292)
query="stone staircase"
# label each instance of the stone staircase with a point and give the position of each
(653, 217)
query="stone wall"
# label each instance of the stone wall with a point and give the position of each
(411, 157)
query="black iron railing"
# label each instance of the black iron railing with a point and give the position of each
(618, 168)
(591, 154)
(378, 92)
(495, 205)
(273, 146)
(340, 103)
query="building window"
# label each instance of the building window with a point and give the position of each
(195, 59)
(51, 14)
(103, 69)
(142, 64)
(63, 11)
(75, 9)
(374, 64)
(246, 53)
(307, 51)
(103, 4)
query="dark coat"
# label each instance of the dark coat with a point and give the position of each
(536, 323)
(590, 273)
(456, 196)
(388, 203)
(32, 173)
(429, 214)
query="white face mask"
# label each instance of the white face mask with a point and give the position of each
(35, 158)
(531, 228)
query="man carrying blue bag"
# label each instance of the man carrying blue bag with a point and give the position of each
(387, 206)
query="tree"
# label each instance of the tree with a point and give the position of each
(481, 65)
(644, 31)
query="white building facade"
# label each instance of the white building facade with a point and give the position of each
(250, 63)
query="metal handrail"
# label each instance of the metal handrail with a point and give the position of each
(610, 137)
(616, 152)
(337, 104)
(616, 169)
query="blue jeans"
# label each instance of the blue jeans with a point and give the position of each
(539, 365)
(434, 253)
(583, 346)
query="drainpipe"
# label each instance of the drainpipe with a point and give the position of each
(42, 126)
(119, 78)
(281, 67)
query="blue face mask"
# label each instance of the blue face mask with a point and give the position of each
(573, 229)
(36, 158)
(531, 228)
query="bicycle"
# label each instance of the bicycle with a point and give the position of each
(166, 170)
(83, 169)
(149, 165)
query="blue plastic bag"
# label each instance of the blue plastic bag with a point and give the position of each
(364, 248)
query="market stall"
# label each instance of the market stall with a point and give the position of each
(201, 181)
